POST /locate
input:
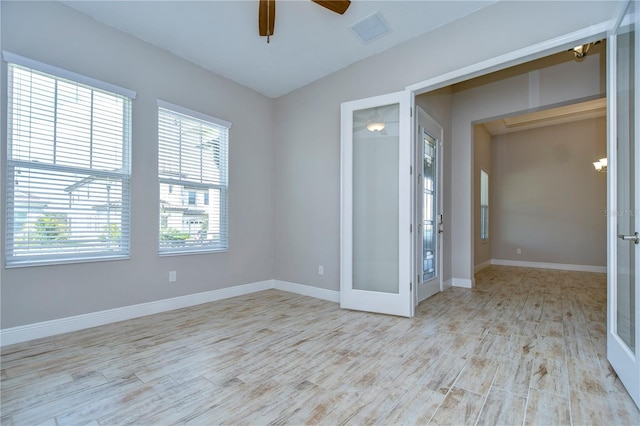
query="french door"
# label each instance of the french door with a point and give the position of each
(376, 205)
(623, 335)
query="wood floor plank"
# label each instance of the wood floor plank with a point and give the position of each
(477, 376)
(550, 376)
(502, 409)
(514, 376)
(544, 408)
(460, 407)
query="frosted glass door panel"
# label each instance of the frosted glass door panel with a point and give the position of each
(626, 130)
(376, 199)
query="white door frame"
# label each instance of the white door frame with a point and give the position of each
(516, 57)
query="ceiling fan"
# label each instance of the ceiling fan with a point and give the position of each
(374, 122)
(267, 13)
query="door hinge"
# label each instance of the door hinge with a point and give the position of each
(411, 111)
(410, 170)
(410, 286)
(410, 228)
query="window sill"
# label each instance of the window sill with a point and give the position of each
(27, 263)
(191, 252)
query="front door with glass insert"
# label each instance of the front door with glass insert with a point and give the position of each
(428, 215)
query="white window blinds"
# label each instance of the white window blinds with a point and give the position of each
(68, 170)
(192, 172)
(484, 205)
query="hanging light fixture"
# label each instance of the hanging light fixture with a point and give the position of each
(601, 165)
(581, 51)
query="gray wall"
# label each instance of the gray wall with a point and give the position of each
(546, 197)
(307, 138)
(55, 34)
(481, 161)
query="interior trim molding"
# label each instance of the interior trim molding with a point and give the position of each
(39, 330)
(480, 266)
(307, 290)
(461, 282)
(515, 57)
(543, 265)
(447, 284)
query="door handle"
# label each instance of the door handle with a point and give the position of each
(635, 238)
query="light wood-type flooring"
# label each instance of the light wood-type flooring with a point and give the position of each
(526, 346)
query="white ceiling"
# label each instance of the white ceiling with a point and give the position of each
(310, 42)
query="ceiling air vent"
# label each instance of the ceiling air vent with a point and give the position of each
(371, 28)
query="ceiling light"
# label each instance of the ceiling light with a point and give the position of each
(375, 127)
(601, 165)
(581, 51)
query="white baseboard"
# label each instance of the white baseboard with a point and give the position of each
(23, 333)
(461, 282)
(307, 290)
(543, 265)
(447, 284)
(480, 266)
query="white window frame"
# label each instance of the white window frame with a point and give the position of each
(122, 174)
(208, 246)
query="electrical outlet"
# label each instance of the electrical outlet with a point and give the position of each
(518, 251)
(172, 276)
(320, 269)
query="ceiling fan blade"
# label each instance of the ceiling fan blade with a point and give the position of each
(266, 17)
(337, 6)
(386, 111)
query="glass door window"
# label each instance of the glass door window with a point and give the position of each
(429, 206)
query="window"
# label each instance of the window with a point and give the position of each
(192, 157)
(484, 205)
(68, 167)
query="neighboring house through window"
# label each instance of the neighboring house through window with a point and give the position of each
(68, 166)
(192, 160)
